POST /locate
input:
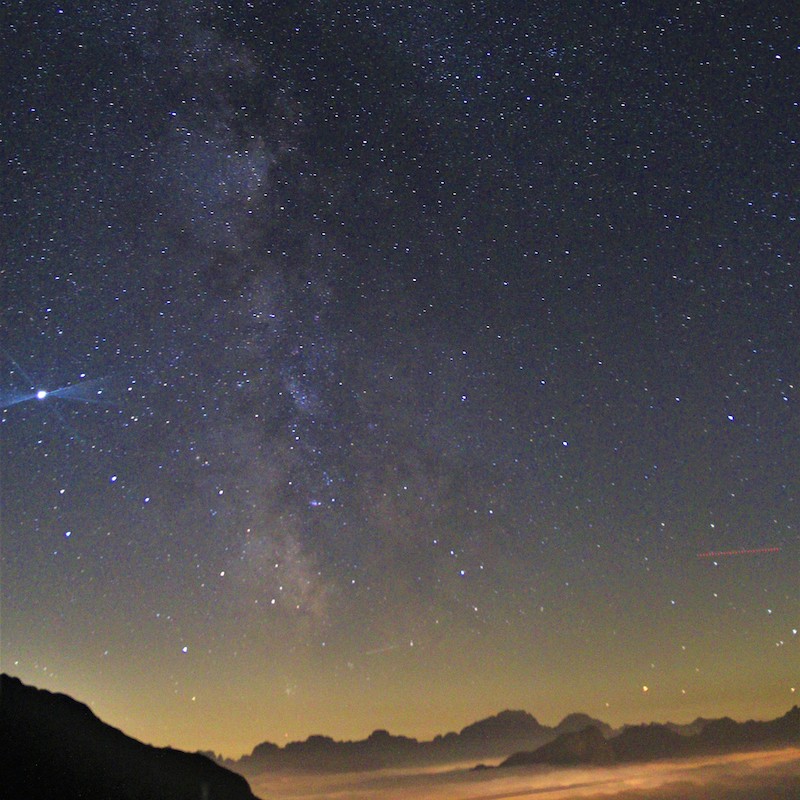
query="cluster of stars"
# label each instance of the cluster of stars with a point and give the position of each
(461, 327)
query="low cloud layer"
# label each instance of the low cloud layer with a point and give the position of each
(772, 775)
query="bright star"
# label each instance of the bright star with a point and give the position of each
(84, 391)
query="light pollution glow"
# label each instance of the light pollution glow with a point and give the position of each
(767, 775)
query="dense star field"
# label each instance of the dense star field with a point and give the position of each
(387, 365)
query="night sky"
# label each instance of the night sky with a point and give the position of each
(399, 363)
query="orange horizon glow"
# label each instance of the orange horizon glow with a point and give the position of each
(719, 777)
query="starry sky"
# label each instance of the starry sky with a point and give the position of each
(387, 365)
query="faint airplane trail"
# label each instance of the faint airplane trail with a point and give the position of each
(742, 552)
(379, 650)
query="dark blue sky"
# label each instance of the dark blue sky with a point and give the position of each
(415, 353)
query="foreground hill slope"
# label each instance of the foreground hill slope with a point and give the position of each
(52, 746)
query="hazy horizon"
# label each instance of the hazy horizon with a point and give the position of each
(424, 738)
(457, 728)
(765, 775)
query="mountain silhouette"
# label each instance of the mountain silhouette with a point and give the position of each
(690, 728)
(492, 737)
(517, 733)
(654, 741)
(574, 723)
(587, 746)
(53, 746)
(726, 733)
(648, 742)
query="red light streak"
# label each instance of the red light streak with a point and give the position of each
(749, 552)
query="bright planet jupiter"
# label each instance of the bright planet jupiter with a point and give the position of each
(403, 358)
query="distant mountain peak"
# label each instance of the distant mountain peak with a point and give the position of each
(507, 722)
(578, 721)
(587, 746)
(494, 736)
(654, 741)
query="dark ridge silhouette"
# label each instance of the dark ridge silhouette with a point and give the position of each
(726, 733)
(588, 746)
(492, 737)
(506, 724)
(574, 723)
(646, 742)
(652, 742)
(518, 733)
(52, 746)
(688, 729)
